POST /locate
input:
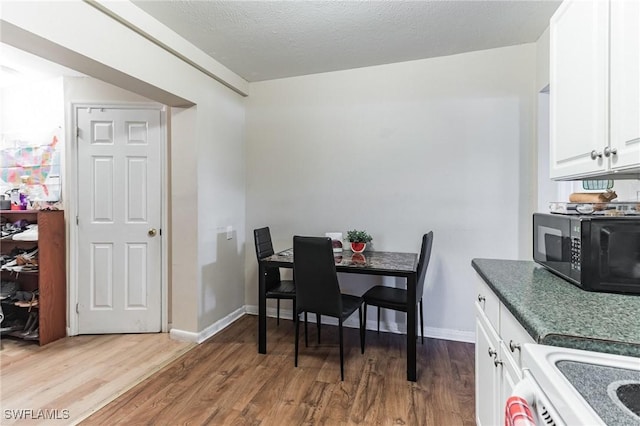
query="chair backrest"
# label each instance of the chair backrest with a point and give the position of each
(264, 248)
(423, 262)
(314, 269)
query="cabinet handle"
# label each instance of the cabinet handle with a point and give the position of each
(481, 298)
(595, 155)
(513, 346)
(494, 354)
(609, 152)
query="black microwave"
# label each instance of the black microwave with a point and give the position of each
(596, 253)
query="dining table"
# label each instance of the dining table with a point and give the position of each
(385, 263)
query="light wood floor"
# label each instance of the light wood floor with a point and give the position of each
(225, 381)
(78, 374)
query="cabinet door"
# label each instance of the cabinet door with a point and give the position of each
(511, 375)
(513, 334)
(625, 84)
(487, 373)
(488, 302)
(579, 88)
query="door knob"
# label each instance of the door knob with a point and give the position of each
(152, 232)
(609, 151)
(595, 154)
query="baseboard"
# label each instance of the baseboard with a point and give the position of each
(184, 336)
(213, 329)
(431, 332)
(450, 334)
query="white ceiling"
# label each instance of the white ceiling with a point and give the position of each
(264, 40)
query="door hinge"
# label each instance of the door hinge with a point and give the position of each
(77, 132)
(77, 220)
(160, 231)
(77, 308)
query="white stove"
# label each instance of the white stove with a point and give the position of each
(576, 387)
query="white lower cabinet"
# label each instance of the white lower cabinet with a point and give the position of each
(499, 337)
(511, 375)
(513, 335)
(487, 372)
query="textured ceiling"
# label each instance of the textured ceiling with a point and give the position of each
(263, 40)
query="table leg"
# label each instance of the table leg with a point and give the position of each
(262, 310)
(411, 328)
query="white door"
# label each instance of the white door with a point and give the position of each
(119, 217)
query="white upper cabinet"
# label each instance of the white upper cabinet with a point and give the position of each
(624, 103)
(594, 76)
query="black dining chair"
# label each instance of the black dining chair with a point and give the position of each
(277, 288)
(318, 290)
(396, 298)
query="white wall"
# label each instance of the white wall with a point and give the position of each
(547, 190)
(207, 147)
(221, 203)
(442, 144)
(627, 190)
(32, 110)
(31, 113)
(542, 61)
(87, 90)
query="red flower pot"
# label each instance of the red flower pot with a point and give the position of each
(358, 247)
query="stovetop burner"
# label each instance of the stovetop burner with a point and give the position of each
(612, 392)
(628, 393)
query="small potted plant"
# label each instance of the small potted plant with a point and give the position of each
(358, 240)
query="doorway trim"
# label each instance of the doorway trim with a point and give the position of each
(71, 191)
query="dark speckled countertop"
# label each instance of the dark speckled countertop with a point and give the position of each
(557, 313)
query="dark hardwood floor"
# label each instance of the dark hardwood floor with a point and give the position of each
(225, 381)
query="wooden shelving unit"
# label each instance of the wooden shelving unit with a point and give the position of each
(51, 278)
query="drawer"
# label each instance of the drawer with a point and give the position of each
(513, 334)
(488, 302)
(509, 365)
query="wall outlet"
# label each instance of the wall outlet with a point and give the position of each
(229, 232)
